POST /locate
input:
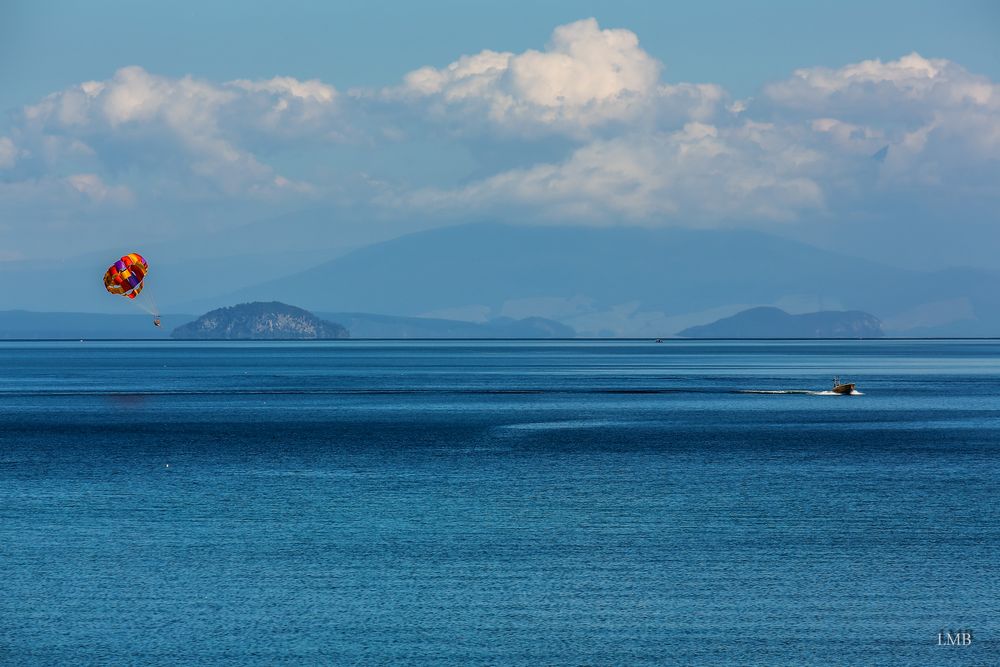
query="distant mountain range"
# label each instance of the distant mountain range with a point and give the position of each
(622, 281)
(33, 325)
(28, 325)
(630, 281)
(205, 268)
(769, 322)
(368, 325)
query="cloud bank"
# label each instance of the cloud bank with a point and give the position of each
(629, 146)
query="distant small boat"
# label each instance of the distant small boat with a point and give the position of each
(842, 387)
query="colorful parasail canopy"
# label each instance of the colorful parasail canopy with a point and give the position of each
(126, 275)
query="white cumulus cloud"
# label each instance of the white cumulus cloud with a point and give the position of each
(211, 129)
(819, 141)
(8, 153)
(95, 189)
(699, 174)
(873, 84)
(935, 116)
(586, 77)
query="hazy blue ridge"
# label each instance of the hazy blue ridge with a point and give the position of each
(369, 325)
(767, 322)
(586, 277)
(17, 324)
(615, 282)
(22, 324)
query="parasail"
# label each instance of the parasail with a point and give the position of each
(126, 276)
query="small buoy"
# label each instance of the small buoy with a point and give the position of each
(167, 465)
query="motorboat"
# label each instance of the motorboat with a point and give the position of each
(842, 387)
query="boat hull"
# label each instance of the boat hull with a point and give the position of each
(844, 388)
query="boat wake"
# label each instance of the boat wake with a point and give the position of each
(804, 392)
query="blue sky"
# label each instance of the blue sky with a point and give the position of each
(158, 121)
(46, 46)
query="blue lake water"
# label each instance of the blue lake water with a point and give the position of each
(574, 502)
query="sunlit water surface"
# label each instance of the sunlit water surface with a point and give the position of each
(602, 503)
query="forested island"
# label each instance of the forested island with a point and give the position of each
(259, 321)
